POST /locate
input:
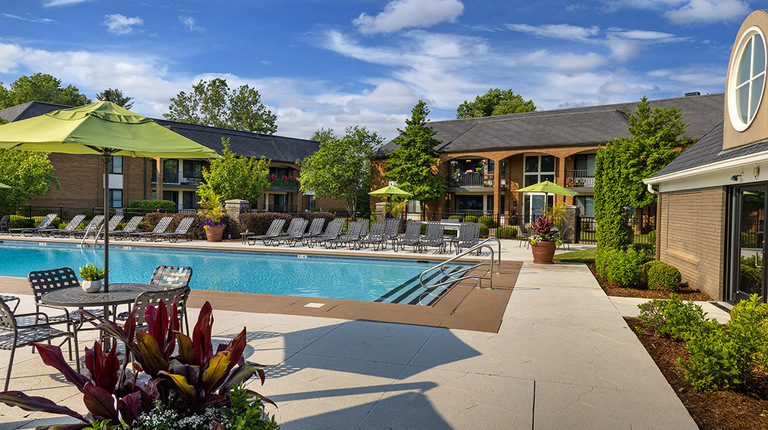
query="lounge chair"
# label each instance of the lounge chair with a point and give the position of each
(13, 335)
(131, 227)
(93, 225)
(376, 237)
(315, 230)
(160, 227)
(294, 232)
(114, 221)
(44, 223)
(182, 230)
(331, 233)
(273, 231)
(354, 231)
(66, 231)
(391, 230)
(4, 223)
(434, 237)
(469, 236)
(411, 237)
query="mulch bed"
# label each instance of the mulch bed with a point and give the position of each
(614, 290)
(745, 409)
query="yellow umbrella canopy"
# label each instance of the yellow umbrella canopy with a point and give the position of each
(547, 187)
(102, 128)
(390, 190)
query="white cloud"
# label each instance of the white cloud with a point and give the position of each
(622, 49)
(191, 24)
(121, 25)
(37, 20)
(558, 31)
(567, 63)
(704, 11)
(655, 36)
(50, 3)
(399, 14)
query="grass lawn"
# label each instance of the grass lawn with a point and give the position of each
(582, 256)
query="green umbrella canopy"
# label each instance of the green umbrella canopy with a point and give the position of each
(390, 190)
(547, 187)
(2, 185)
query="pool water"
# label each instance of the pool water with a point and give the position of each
(290, 275)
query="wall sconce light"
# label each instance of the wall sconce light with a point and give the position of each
(756, 171)
(736, 178)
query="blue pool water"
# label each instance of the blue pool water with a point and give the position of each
(291, 275)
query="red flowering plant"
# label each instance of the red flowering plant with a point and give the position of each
(544, 230)
(272, 177)
(175, 376)
(285, 178)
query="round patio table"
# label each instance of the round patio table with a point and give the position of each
(119, 294)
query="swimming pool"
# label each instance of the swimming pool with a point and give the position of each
(291, 275)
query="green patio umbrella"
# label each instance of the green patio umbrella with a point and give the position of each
(389, 191)
(547, 187)
(102, 128)
(2, 185)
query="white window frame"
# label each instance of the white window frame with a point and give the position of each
(751, 34)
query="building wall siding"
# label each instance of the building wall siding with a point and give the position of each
(692, 232)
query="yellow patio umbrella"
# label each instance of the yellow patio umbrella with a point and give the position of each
(102, 128)
(389, 191)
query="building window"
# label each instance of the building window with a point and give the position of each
(171, 171)
(190, 200)
(310, 202)
(586, 204)
(746, 79)
(116, 165)
(115, 198)
(193, 169)
(538, 168)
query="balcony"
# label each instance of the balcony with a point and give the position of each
(279, 183)
(579, 179)
(470, 180)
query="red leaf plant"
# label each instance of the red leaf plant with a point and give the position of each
(192, 380)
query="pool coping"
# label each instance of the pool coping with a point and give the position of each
(465, 306)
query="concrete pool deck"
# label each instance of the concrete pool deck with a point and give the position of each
(563, 357)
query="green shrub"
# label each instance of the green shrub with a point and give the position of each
(470, 218)
(673, 318)
(18, 221)
(750, 277)
(717, 359)
(647, 251)
(487, 221)
(165, 206)
(652, 237)
(506, 232)
(663, 277)
(646, 267)
(456, 217)
(620, 267)
(259, 222)
(484, 230)
(748, 240)
(749, 326)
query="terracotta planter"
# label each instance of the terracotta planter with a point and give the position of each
(214, 232)
(543, 252)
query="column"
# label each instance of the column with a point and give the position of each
(496, 187)
(159, 182)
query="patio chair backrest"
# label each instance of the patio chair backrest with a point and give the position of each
(412, 228)
(470, 233)
(95, 222)
(47, 221)
(184, 225)
(4, 222)
(393, 227)
(297, 227)
(114, 221)
(334, 228)
(276, 227)
(434, 230)
(171, 277)
(74, 222)
(316, 227)
(7, 319)
(44, 281)
(377, 231)
(133, 224)
(365, 224)
(356, 228)
(163, 224)
(153, 298)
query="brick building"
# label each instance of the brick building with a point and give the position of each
(136, 178)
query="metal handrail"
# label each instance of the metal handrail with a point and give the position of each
(463, 272)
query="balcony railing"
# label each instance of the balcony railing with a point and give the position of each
(471, 179)
(579, 179)
(283, 183)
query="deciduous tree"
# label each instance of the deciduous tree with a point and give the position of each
(213, 103)
(413, 164)
(341, 168)
(40, 87)
(28, 173)
(236, 177)
(495, 102)
(117, 97)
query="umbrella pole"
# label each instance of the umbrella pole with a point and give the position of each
(106, 157)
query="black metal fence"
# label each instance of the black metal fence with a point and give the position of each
(641, 224)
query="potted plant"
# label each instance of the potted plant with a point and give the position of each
(544, 240)
(513, 217)
(92, 277)
(211, 207)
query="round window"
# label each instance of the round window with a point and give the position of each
(747, 79)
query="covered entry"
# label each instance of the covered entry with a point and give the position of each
(747, 246)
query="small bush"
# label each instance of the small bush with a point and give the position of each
(506, 232)
(484, 230)
(663, 276)
(673, 318)
(652, 237)
(646, 267)
(487, 221)
(620, 267)
(165, 206)
(18, 221)
(748, 240)
(470, 218)
(647, 251)
(456, 217)
(749, 326)
(717, 359)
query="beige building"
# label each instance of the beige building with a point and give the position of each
(713, 201)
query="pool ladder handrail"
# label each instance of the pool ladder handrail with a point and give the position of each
(95, 237)
(463, 272)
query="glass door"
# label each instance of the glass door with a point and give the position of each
(748, 242)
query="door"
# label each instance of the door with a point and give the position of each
(536, 204)
(747, 242)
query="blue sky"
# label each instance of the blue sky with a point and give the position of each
(333, 64)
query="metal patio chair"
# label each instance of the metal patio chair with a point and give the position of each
(354, 230)
(131, 227)
(93, 225)
(153, 298)
(315, 230)
(44, 223)
(68, 229)
(294, 233)
(434, 237)
(331, 233)
(182, 230)
(174, 278)
(469, 236)
(273, 231)
(14, 335)
(160, 227)
(376, 237)
(411, 237)
(4, 223)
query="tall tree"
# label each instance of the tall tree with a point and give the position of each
(495, 102)
(117, 97)
(341, 168)
(40, 87)
(414, 164)
(621, 166)
(28, 173)
(235, 177)
(213, 103)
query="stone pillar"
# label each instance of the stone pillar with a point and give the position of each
(381, 211)
(569, 223)
(237, 207)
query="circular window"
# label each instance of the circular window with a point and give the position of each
(747, 79)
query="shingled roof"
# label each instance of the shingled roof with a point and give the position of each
(564, 127)
(275, 148)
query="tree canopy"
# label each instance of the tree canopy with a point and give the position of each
(213, 103)
(40, 87)
(235, 177)
(341, 168)
(28, 173)
(621, 166)
(494, 102)
(117, 97)
(413, 164)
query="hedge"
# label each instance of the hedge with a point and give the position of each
(487, 220)
(166, 206)
(506, 232)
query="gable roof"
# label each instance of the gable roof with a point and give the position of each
(275, 148)
(589, 125)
